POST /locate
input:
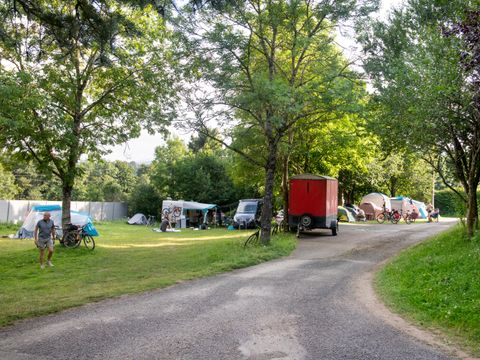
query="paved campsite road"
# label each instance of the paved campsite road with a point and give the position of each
(301, 307)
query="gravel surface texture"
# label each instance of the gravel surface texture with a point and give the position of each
(305, 306)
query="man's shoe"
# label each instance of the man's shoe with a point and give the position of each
(42, 266)
(49, 263)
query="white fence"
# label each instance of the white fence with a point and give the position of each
(16, 210)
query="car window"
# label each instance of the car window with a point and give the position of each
(249, 208)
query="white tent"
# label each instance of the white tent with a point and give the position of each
(138, 219)
(400, 204)
(411, 205)
(377, 199)
(175, 209)
(36, 214)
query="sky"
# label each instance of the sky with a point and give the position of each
(142, 149)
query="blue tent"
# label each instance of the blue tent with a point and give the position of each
(36, 214)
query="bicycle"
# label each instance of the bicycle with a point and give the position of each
(393, 216)
(73, 236)
(150, 220)
(255, 237)
(277, 227)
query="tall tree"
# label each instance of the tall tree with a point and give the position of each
(424, 66)
(76, 76)
(270, 64)
(8, 189)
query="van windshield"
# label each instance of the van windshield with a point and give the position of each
(247, 207)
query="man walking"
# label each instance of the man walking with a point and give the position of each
(44, 235)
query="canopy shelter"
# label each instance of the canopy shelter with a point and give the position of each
(377, 199)
(36, 214)
(175, 209)
(138, 219)
(345, 215)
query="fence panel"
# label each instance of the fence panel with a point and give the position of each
(16, 210)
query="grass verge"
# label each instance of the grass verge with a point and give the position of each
(127, 259)
(437, 284)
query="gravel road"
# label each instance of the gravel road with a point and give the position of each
(305, 306)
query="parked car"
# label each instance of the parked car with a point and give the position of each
(248, 214)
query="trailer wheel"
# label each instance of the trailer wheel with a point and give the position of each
(306, 221)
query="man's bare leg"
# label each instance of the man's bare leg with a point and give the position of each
(42, 254)
(50, 253)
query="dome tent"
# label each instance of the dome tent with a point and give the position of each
(377, 199)
(36, 214)
(137, 219)
(345, 215)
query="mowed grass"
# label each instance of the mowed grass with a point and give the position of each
(127, 259)
(437, 284)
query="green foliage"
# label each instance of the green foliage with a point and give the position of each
(427, 88)
(199, 175)
(436, 283)
(105, 181)
(450, 204)
(77, 78)
(144, 199)
(8, 189)
(127, 259)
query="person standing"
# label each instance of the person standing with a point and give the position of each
(44, 236)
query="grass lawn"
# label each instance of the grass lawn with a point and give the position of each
(127, 259)
(437, 284)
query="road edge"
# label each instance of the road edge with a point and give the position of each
(366, 293)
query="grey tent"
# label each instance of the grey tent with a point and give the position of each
(138, 219)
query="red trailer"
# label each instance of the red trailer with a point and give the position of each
(313, 203)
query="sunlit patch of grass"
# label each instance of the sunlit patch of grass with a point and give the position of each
(127, 259)
(437, 283)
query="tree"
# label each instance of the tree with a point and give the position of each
(77, 76)
(271, 64)
(162, 171)
(424, 66)
(198, 175)
(8, 189)
(105, 181)
(144, 198)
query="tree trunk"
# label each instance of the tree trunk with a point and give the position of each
(66, 201)
(285, 190)
(266, 219)
(472, 212)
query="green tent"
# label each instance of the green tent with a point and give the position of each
(345, 215)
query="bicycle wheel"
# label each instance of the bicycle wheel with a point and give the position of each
(395, 219)
(89, 242)
(407, 219)
(274, 229)
(70, 240)
(381, 218)
(252, 239)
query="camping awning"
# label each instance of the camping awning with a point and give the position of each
(191, 205)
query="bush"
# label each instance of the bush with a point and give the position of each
(145, 199)
(450, 204)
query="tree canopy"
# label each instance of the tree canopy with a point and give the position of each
(78, 76)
